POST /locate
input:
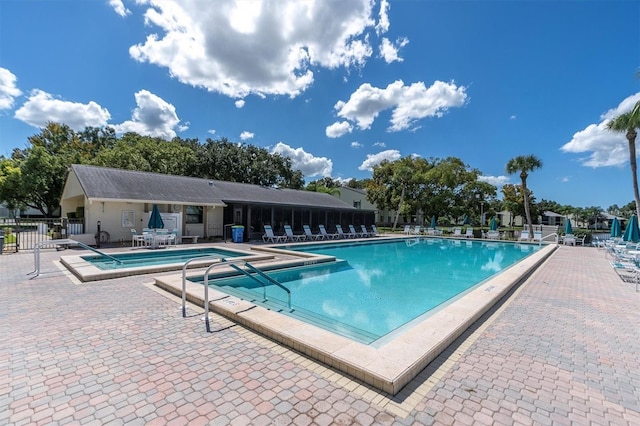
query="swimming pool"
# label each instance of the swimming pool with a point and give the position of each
(380, 286)
(392, 361)
(92, 267)
(156, 257)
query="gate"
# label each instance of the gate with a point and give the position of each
(25, 233)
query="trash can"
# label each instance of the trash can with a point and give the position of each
(1, 241)
(237, 233)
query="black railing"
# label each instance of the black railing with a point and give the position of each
(26, 233)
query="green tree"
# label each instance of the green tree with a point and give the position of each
(224, 160)
(524, 164)
(627, 123)
(395, 184)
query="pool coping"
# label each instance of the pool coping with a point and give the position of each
(87, 272)
(389, 367)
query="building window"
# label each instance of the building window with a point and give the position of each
(193, 214)
(357, 204)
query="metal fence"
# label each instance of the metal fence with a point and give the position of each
(26, 233)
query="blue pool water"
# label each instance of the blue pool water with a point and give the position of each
(380, 286)
(156, 257)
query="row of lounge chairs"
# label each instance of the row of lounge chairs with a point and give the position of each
(289, 236)
(624, 258)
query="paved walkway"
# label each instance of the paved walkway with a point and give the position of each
(563, 349)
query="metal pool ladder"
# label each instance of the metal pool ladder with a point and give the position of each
(69, 242)
(232, 263)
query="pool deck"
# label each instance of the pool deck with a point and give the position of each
(562, 348)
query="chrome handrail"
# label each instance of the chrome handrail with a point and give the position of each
(60, 242)
(550, 235)
(184, 280)
(223, 261)
(271, 280)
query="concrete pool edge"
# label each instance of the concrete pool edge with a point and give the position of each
(393, 365)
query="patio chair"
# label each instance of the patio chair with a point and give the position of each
(580, 241)
(326, 235)
(269, 236)
(469, 233)
(407, 229)
(537, 236)
(417, 230)
(374, 231)
(138, 240)
(569, 240)
(310, 235)
(457, 232)
(524, 236)
(493, 235)
(290, 236)
(341, 233)
(365, 232)
(356, 234)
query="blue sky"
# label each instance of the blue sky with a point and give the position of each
(340, 85)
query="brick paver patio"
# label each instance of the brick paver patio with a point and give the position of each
(563, 349)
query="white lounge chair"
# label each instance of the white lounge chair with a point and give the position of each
(524, 236)
(457, 232)
(407, 229)
(326, 235)
(469, 233)
(342, 234)
(493, 235)
(269, 236)
(310, 235)
(366, 232)
(537, 236)
(291, 236)
(417, 230)
(569, 240)
(356, 234)
(374, 231)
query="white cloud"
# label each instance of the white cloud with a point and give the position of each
(338, 129)
(41, 107)
(380, 144)
(356, 144)
(153, 116)
(211, 131)
(246, 135)
(267, 47)
(605, 148)
(564, 179)
(513, 117)
(409, 103)
(383, 21)
(239, 103)
(498, 181)
(389, 51)
(375, 159)
(183, 127)
(8, 89)
(300, 160)
(119, 7)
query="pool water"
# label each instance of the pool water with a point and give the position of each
(380, 286)
(156, 257)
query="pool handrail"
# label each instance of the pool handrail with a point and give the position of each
(223, 261)
(271, 280)
(61, 242)
(184, 280)
(550, 235)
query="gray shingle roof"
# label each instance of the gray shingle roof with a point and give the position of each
(116, 184)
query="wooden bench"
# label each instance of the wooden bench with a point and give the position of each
(192, 238)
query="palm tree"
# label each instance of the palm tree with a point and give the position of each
(627, 123)
(524, 164)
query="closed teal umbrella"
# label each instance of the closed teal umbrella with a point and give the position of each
(433, 222)
(567, 227)
(616, 231)
(632, 233)
(155, 220)
(493, 226)
(466, 221)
